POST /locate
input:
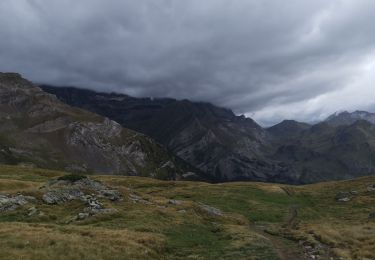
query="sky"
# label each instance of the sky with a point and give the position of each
(268, 59)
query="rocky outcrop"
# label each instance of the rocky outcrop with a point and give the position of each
(37, 128)
(210, 210)
(347, 118)
(83, 189)
(371, 188)
(10, 203)
(226, 147)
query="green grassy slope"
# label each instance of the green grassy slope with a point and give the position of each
(258, 221)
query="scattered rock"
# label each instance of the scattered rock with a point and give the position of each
(343, 196)
(82, 216)
(12, 203)
(81, 182)
(72, 188)
(371, 187)
(137, 199)
(211, 210)
(312, 251)
(182, 211)
(59, 196)
(175, 202)
(32, 211)
(113, 195)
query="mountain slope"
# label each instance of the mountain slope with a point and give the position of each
(288, 129)
(229, 147)
(36, 128)
(225, 146)
(323, 152)
(346, 118)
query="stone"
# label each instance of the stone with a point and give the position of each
(32, 211)
(59, 196)
(371, 215)
(8, 203)
(211, 210)
(175, 202)
(82, 216)
(137, 199)
(61, 191)
(371, 188)
(113, 195)
(343, 196)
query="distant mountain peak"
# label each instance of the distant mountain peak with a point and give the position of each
(348, 118)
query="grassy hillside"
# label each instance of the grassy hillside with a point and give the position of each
(190, 220)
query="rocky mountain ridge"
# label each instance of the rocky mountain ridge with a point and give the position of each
(224, 146)
(38, 129)
(347, 118)
(229, 147)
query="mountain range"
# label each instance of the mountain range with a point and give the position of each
(38, 129)
(227, 147)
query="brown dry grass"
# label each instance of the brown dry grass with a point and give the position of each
(11, 186)
(25, 241)
(356, 241)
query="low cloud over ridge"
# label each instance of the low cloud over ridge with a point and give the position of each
(269, 59)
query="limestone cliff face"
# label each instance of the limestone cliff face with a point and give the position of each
(227, 147)
(224, 146)
(36, 128)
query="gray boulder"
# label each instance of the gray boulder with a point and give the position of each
(59, 196)
(8, 203)
(371, 188)
(113, 195)
(343, 196)
(211, 210)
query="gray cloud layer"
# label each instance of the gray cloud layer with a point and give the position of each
(270, 59)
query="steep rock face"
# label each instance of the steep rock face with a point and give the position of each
(224, 146)
(229, 147)
(36, 128)
(324, 152)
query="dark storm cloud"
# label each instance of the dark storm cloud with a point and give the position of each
(271, 59)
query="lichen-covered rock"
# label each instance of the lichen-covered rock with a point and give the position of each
(80, 188)
(137, 199)
(175, 202)
(59, 196)
(32, 211)
(343, 196)
(211, 210)
(74, 139)
(113, 195)
(9, 203)
(371, 188)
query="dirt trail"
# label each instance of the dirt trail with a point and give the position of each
(284, 252)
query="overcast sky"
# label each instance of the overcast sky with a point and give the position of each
(269, 59)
